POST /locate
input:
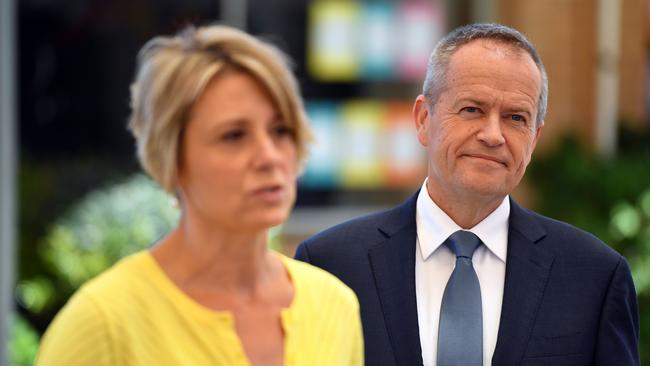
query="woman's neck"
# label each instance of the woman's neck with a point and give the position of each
(203, 255)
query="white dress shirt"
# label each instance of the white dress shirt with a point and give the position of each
(434, 264)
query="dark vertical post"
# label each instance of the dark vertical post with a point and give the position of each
(8, 160)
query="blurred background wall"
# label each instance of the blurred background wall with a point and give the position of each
(81, 204)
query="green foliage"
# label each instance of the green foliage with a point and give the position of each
(48, 188)
(23, 343)
(103, 227)
(607, 197)
(575, 186)
(630, 228)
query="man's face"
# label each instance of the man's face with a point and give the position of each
(481, 132)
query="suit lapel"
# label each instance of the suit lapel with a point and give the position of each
(527, 269)
(393, 266)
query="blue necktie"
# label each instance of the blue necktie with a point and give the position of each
(460, 334)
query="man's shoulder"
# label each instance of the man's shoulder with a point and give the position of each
(362, 225)
(348, 239)
(364, 231)
(568, 240)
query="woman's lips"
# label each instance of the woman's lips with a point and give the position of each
(270, 194)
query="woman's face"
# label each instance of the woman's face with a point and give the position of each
(238, 157)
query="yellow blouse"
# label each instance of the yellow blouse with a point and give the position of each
(133, 314)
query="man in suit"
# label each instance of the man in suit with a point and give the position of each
(460, 274)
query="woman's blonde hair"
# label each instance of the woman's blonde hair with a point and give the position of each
(174, 71)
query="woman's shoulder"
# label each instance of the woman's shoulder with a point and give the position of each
(124, 277)
(84, 324)
(318, 284)
(113, 293)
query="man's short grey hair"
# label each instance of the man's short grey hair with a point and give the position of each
(437, 67)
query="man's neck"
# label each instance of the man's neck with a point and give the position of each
(467, 212)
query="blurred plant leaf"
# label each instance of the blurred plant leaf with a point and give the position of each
(105, 226)
(625, 220)
(23, 342)
(645, 203)
(35, 294)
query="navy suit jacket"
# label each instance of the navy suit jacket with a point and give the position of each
(568, 299)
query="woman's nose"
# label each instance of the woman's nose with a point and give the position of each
(267, 150)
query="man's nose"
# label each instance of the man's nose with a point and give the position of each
(491, 132)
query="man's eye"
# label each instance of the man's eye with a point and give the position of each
(470, 109)
(518, 118)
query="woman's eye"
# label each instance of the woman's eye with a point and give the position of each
(283, 130)
(233, 135)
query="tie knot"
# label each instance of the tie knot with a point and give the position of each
(463, 243)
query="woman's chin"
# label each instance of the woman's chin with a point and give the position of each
(268, 220)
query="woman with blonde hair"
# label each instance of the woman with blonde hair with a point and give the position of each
(219, 123)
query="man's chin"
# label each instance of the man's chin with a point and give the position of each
(485, 189)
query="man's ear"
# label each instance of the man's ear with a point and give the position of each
(538, 134)
(421, 118)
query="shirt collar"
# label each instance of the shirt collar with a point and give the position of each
(434, 226)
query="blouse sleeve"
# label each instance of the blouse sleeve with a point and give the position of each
(78, 336)
(357, 334)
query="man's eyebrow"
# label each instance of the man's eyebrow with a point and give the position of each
(520, 108)
(472, 100)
